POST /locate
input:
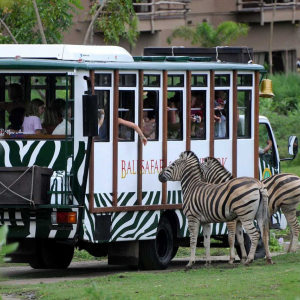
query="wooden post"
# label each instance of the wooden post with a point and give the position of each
(211, 115)
(115, 137)
(256, 124)
(165, 133)
(235, 112)
(188, 110)
(140, 144)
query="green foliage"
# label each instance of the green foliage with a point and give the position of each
(205, 35)
(56, 17)
(5, 249)
(118, 19)
(283, 114)
(274, 244)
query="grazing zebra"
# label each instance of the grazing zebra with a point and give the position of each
(284, 193)
(243, 198)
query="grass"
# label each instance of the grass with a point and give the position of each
(260, 281)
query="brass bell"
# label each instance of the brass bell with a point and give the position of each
(266, 89)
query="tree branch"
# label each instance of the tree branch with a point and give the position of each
(39, 22)
(88, 32)
(9, 32)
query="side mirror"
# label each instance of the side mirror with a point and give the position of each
(293, 145)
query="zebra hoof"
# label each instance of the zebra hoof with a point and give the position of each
(231, 261)
(207, 264)
(270, 262)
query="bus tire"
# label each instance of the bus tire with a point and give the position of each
(37, 262)
(260, 250)
(175, 249)
(157, 254)
(56, 255)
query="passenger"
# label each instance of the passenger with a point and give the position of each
(61, 127)
(149, 122)
(32, 122)
(60, 105)
(174, 125)
(16, 119)
(15, 94)
(102, 125)
(197, 113)
(220, 115)
(266, 149)
(50, 119)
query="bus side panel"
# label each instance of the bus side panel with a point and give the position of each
(245, 158)
(223, 152)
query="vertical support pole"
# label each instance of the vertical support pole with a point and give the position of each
(211, 114)
(235, 113)
(262, 17)
(165, 133)
(188, 110)
(256, 125)
(140, 144)
(115, 137)
(91, 167)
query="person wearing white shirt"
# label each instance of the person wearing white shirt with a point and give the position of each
(61, 128)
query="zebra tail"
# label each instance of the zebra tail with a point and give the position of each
(265, 212)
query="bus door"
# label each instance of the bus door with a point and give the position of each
(176, 127)
(152, 130)
(223, 118)
(199, 112)
(245, 126)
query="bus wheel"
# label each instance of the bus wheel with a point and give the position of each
(56, 255)
(175, 249)
(157, 254)
(260, 250)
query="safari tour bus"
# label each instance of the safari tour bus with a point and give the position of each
(94, 184)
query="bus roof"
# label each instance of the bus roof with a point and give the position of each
(66, 52)
(70, 57)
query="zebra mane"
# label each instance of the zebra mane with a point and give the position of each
(187, 155)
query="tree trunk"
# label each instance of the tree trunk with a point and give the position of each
(88, 32)
(9, 32)
(39, 22)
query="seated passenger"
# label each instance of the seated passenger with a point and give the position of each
(50, 119)
(102, 125)
(15, 94)
(60, 105)
(32, 122)
(61, 128)
(16, 119)
(149, 124)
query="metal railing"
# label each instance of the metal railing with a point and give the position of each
(262, 5)
(153, 9)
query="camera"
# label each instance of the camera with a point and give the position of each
(197, 119)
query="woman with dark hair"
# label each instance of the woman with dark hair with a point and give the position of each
(32, 122)
(16, 119)
(50, 119)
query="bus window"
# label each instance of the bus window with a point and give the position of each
(175, 115)
(150, 115)
(61, 87)
(266, 146)
(198, 115)
(244, 114)
(126, 112)
(221, 116)
(103, 114)
(39, 87)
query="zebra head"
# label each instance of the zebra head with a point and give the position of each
(175, 170)
(212, 171)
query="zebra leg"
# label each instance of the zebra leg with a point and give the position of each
(240, 239)
(194, 230)
(254, 237)
(231, 226)
(263, 220)
(290, 214)
(206, 234)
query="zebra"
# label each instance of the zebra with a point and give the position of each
(283, 191)
(244, 198)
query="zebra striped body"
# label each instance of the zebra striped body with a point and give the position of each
(283, 191)
(244, 198)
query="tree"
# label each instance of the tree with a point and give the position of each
(117, 19)
(205, 35)
(21, 19)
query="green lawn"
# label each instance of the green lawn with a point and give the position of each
(259, 281)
